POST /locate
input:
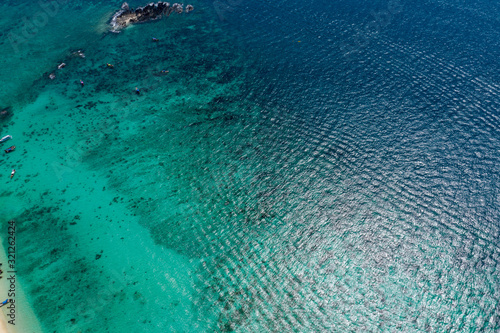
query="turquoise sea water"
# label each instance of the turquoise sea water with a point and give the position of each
(322, 167)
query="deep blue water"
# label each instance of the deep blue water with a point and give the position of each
(308, 167)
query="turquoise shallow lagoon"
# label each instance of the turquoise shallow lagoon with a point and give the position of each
(321, 169)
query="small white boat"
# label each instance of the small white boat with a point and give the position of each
(5, 138)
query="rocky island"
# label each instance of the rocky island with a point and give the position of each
(152, 11)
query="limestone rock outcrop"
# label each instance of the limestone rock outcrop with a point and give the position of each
(153, 11)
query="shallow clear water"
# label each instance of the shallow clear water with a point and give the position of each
(319, 167)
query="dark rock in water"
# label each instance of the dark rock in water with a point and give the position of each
(6, 114)
(152, 11)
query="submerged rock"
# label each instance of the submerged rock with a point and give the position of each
(6, 113)
(153, 11)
